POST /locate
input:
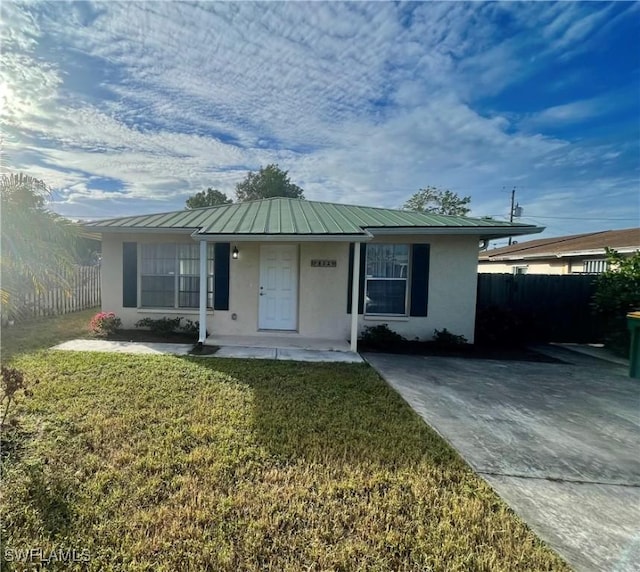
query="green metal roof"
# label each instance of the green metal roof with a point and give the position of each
(284, 217)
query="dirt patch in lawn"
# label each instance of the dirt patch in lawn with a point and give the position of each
(199, 350)
(469, 351)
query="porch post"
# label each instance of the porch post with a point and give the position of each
(355, 289)
(202, 334)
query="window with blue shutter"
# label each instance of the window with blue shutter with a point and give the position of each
(363, 257)
(129, 274)
(394, 279)
(221, 276)
(419, 279)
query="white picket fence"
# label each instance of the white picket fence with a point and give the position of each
(82, 293)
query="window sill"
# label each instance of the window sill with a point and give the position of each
(385, 318)
(171, 311)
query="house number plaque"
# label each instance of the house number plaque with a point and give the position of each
(323, 263)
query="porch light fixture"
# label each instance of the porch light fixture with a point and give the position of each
(235, 253)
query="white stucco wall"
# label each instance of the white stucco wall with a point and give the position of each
(323, 291)
(452, 288)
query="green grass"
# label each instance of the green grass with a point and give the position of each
(43, 333)
(164, 463)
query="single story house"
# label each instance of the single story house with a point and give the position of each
(574, 254)
(305, 269)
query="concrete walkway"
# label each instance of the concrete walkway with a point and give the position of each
(124, 347)
(288, 354)
(560, 443)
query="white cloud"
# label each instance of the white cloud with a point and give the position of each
(362, 102)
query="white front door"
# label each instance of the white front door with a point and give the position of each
(278, 287)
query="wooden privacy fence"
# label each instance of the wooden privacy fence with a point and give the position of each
(554, 308)
(83, 292)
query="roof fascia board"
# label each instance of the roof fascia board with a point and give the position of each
(281, 237)
(139, 230)
(598, 251)
(516, 258)
(556, 255)
(482, 231)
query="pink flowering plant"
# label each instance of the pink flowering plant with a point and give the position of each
(104, 324)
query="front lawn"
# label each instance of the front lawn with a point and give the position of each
(164, 463)
(42, 333)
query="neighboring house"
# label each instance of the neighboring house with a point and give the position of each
(575, 254)
(295, 267)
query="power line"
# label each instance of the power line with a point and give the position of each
(573, 218)
(581, 218)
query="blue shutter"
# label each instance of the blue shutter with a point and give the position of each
(419, 279)
(129, 274)
(221, 276)
(363, 264)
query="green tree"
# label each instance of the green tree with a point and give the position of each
(617, 293)
(438, 201)
(269, 181)
(38, 246)
(209, 198)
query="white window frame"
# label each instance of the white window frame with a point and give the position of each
(595, 266)
(518, 270)
(176, 276)
(406, 279)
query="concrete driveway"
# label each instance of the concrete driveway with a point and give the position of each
(560, 443)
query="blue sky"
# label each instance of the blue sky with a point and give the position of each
(127, 108)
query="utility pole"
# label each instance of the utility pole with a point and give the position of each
(513, 198)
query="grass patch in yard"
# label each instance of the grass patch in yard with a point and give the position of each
(42, 333)
(164, 463)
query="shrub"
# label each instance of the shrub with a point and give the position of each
(104, 323)
(380, 335)
(446, 339)
(191, 328)
(617, 293)
(12, 382)
(162, 326)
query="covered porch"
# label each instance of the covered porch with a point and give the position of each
(279, 295)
